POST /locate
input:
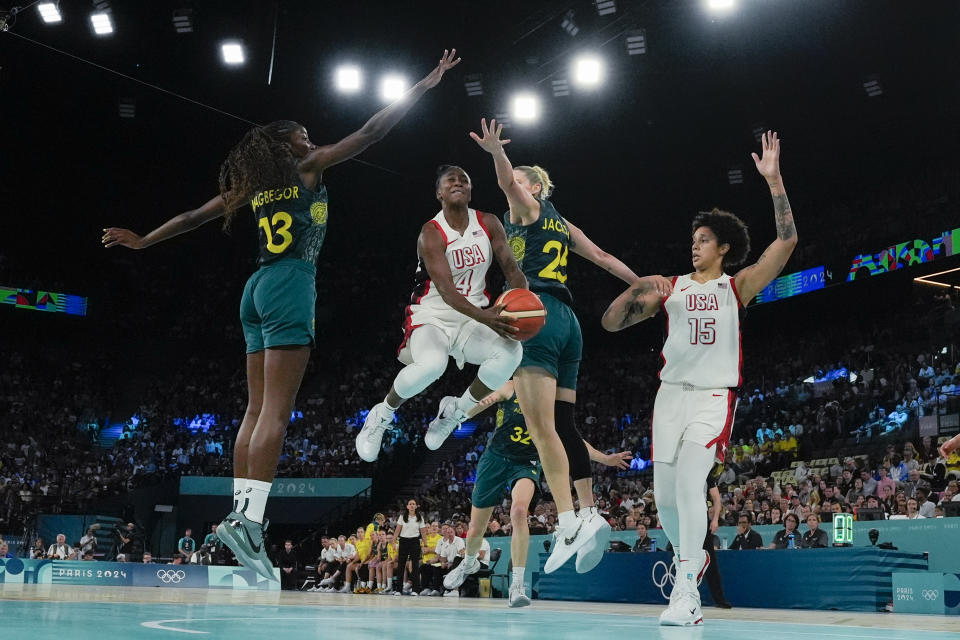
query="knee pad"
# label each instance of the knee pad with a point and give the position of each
(577, 454)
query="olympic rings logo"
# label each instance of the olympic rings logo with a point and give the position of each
(930, 594)
(168, 577)
(669, 576)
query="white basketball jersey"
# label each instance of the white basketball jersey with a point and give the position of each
(703, 334)
(469, 256)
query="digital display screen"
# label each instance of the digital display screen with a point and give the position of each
(44, 301)
(794, 284)
(842, 528)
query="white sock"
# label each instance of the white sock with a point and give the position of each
(466, 401)
(518, 575)
(256, 494)
(470, 557)
(239, 485)
(567, 519)
(389, 408)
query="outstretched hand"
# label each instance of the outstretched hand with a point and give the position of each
(490, 142)
(447, 62)
(113, 236)
(769, 164)
(620, 460)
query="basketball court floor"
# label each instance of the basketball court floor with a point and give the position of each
(57, 612)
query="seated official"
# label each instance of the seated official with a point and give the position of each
(746, 537)
(815, 537)
(788, 533)
(643, 540)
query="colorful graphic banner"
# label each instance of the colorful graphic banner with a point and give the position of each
(44, 301)
(906, 254)
(794, 284)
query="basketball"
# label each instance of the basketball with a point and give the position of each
(524, 310)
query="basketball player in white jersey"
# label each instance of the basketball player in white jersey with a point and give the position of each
(446, 317)
(695, 405)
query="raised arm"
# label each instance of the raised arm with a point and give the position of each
(187, 221)
(636, 304)
(523, 206)
(379, 125)
(620, 460)
(752, 280)
(586, 248)
(504, 254)
(431, 246)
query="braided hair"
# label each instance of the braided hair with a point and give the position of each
(261, 159)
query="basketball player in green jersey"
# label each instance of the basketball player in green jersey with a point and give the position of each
(546, 381)
(279, 172)
(510, 460)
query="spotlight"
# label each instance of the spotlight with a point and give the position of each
(128, 108)
(636, 42)
(102, 23)
(525, 107)
(605, 7)
(348, 79)
(473, 84)
(568, 25)
(735, 175)
(232, 52)
(561, 87)
(183, 20)
(721, 6)
(393, 87)
(587, 71)
(50, 12)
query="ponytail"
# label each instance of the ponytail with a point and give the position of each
(538, 175)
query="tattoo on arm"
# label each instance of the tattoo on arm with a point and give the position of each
(781, 208)
(635, 308)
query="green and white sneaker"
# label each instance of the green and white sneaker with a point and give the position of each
(245, 539)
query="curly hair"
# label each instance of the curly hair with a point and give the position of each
(538, 175)
(730, 230)
(261, 159)
(443, 169)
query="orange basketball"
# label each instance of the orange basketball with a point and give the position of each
(524, 310)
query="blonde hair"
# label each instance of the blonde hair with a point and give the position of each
(538, 175)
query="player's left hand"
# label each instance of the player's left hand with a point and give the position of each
(769, 164)
(490, 141)
(447, 62)
(620, 460)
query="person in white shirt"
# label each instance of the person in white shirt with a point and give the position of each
(61, 549)
(913, 512)
(450, 551)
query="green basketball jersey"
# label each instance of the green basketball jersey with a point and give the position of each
(292, 222)
(511, 438)
(541, 251)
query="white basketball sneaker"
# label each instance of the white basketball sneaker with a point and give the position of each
(518, 595)
(371, 436)
(567, 542)
(448, 418)
(590, 554)
(684, 609)
(458, 574)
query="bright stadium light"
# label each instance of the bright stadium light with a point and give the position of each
(232, 52)
(50, 12)
(721, 6)
(348, 79)
(587, 71)
(525, 108)
(393, 87)
(102, 23)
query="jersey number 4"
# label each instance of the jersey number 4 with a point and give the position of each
(463, 281)
(702, 330)
(280, 225)
(551, 271)
(520, 435)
